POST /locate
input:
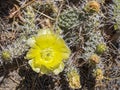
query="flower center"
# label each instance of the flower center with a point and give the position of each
(47, 54)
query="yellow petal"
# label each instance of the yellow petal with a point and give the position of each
(44, 70)
(59, 69)
(55, 62)
(45, 41)
(32, 53)
(37, 70)
(60, 46)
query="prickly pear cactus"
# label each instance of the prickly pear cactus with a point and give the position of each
(19, 46)
(68, 19)
(92, 35)
(116, 13)
(90, 45)
(15, 50)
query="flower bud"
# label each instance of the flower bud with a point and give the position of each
(98, 74)
(5, 55)
(94, 59)
(74, 79)
(93, 6)
(100, 48)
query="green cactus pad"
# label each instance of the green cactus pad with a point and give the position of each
(68, 19)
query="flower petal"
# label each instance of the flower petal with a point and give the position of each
(60, 46)
(59, 69)
(33, 52)
(45, 41)
(55, 62)
(31, 41)
(30, 62)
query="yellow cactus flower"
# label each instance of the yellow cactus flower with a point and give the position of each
(47, 53)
